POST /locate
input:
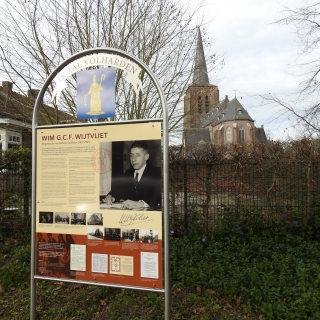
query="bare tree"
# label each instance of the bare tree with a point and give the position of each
(303, 106)
(303, 114)
(305, 23)
(37, 35)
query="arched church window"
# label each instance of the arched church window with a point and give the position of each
(199, 104)
(229, 135)
(207, 104)
(241, 135)
(221, 136)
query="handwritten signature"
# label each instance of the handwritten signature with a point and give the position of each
(129, 219)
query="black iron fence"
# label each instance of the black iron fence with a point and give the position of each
(15, 200)
(202, 192)
(15, 181)
(14, 192)
(271, 181)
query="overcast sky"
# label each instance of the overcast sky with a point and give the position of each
(258, 55)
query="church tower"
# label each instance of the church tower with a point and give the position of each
(201, 96)
(208, 120)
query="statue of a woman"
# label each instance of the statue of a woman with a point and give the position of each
(95, 101)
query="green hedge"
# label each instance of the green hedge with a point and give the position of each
(277, 276)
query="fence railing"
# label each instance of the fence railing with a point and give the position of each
(14, 192)
(201, 191)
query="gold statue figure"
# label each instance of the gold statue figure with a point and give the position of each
(95, 101)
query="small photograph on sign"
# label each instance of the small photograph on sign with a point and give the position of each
(149, 236)
(78, 218)
(130, 235)
(95, 219)
(45, 217)
(96, 93)
(61, 217)
(94, 233)
(112, 234)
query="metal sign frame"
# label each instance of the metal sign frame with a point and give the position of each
(165, 166)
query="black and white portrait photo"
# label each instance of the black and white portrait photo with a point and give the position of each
(45, 217)
(136, 176)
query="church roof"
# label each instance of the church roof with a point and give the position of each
(261, 134)
(225, 111)
(200, 73)
(195, 136)
(207, 119)
(233, 110)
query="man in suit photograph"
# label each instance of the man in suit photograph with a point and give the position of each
(139, 187)
(49, 218)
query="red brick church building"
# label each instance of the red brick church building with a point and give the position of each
(209, 119)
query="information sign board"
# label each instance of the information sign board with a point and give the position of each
(96, 219)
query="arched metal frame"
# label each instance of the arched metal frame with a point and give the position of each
(165, 170)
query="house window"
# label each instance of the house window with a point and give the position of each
(199, 105)
(241, 135)
(13, 138)
(229, 135)
(207, 104)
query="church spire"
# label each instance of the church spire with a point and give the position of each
(200, 73)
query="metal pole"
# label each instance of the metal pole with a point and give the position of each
(33, 240)
(165, 170)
